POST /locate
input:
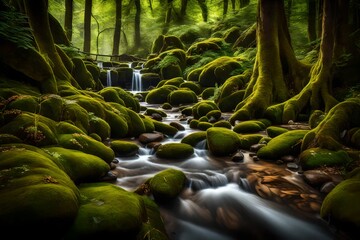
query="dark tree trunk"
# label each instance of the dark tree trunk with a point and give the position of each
(319, 18)
(137, 38)
(168, 16)
(68, 18)
(117, 31)
(233, 5)
(225, 7)
(204, 9)
(183, 8)
(87, 26)
(244, 3)
(311, 20)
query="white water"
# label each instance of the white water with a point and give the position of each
(136, 84)
(108, 78)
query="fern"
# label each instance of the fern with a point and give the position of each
(14, 27)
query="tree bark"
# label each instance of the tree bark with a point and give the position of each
(311, 28)
(117, 31)
(277, 73)
(204, 9)
(87, 26)
(137, 38)
(225, 7)
(68, 18)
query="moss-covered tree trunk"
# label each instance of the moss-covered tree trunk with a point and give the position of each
(204, 9)
(68, 18)
(117, 31)
(277, 74)
(37, 12)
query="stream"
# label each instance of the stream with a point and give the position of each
(227, 200)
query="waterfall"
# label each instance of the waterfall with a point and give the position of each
(136, 81)
(108, 78)
(100, 65)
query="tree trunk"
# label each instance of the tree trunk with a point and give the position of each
(68, 18)
(137, 39)
(204, 9)
(87, 26)
(225, 7)
(277, 73)
(168, 16)
(183, 8)
(37, 12)
(233, 5)
(311, 28)
(117, 31)
(244, 3)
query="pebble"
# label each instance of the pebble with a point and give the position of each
(256, 147)
(316, 178)
(327, 187)
(238, 157)
(292, 166)
(177, 125)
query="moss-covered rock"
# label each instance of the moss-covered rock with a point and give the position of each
(165, 128)
(194, 123)
(194, 138)
(82, 75)
(204, 125)
(86, 144)
(51, 106)
(23, 102)
(148, 123)
(182, 96)
(202, 108)
(151, 111)
(136, 124)
(99, 126)
(195, 87)
(9, 138)
(214, 114)
(274, 131)
(158, 95)
(250, 126)
(124, 148)
(316, 157)
(223, 123)
(247, 140)
(342, 207)
(207, 93)
(167, 184)
(174, 151)
(284, 144)
(222, 141)
(35, 194)
(80, 166)
(315, 118)
(107, 211)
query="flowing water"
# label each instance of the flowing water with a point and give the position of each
(226, 200)
(136, 84)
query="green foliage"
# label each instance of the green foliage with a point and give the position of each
(168, 60)
(14, 28)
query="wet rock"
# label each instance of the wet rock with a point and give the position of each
(279, 162)
(154, 145)
(292, 166)
(316, 178)
(146, 138)
(110, 176)
(255, 158)
(256, 147)
(288, 158)
(178, 126)
(238, 157)
(156, 117)
(327, 187)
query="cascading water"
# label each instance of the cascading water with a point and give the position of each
(218, 202)
(136, 84)
(108, 78)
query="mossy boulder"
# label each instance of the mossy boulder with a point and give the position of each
(175, 151)
(182, 96)
(194, 123)
(35, 194)
(247, 140)
(9, 138)
(317, 157)
(51, 106)
(203, 126)
(202, 108)
(177, 81)
(86, 144)
(151, 111)
(222, 141)
(124, 148)
(207, 93)
(82, 76)
(158, 95)
(23, 102)
(194, 138)
(80, 166)
(250, 126)
(148, 123)
(165, 128)
(99, 126)
(214, 114)
(136, 125)
(229, 102)
(195, 87)
(198, 48)
(167, 184)
(285, 144)
(315, 118)
(342, 207)
(274, 131)
(107, 211)
(224, 124)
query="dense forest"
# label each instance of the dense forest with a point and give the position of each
(84, 85)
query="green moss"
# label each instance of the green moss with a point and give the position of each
(167, 184)
(228, 103)
(124, 148)
(80, 166)
(35, 193)
(175, 151)
(9, 138)
(165, 128)
(110, 95)
(274, 131)
(247, 140)
(222, 141)
(216, 114)
(250, 126)
(284, 144)
(136, 124)
(118, 125)
(187, 111)
(148, 123)
(207, 93)
(204, 119)
(223, 123)
(107, 211)
(151, 111)
(318, 157)
(51, 106)
(194, 138)
(355, 139)
(24, 103)
(76, 114)
(182, 96)
(194, 123)
(86, 144)
(177, 81)
(315, 118)
(195, 87)
(204, 126)
(202, 108)
(166, 106)
(99, 126)
(342, 206)
(158, 95)
(82, 76)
